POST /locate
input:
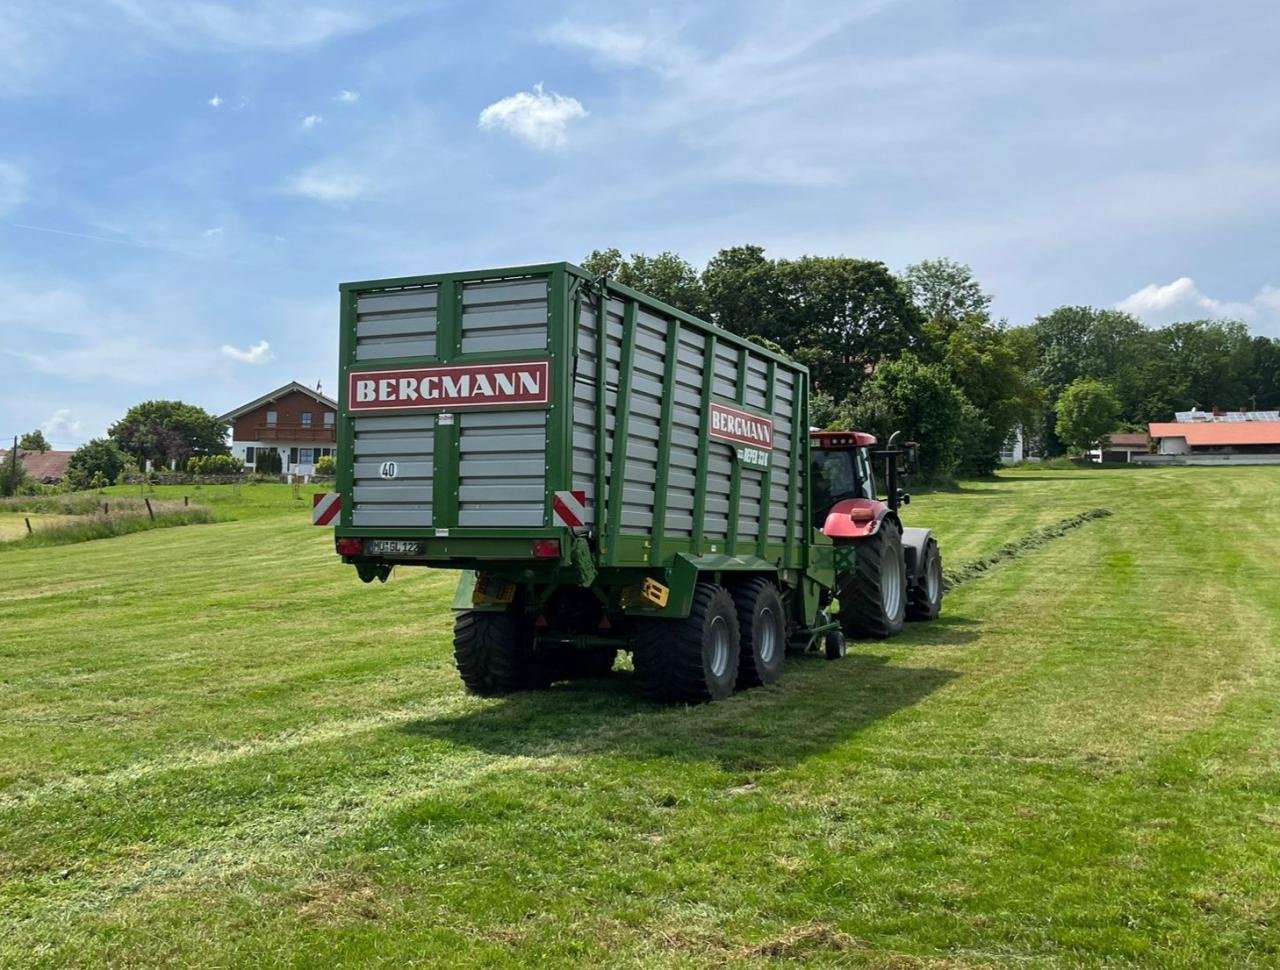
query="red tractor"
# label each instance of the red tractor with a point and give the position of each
(885, 573)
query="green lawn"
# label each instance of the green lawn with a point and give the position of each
(218, 748)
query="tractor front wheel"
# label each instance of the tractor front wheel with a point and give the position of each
(924, 602)
(873, 597)
(694, 659)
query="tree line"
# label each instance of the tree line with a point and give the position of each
(920, 352)
(917, 352)
(164, 433)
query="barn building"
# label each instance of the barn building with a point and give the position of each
(1234, 437)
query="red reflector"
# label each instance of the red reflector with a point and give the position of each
(546, 548)
(350, 547)
(861, 515)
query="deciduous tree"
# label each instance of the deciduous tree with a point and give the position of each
(1087, 411)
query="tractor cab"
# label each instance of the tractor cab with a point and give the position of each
(840, 462)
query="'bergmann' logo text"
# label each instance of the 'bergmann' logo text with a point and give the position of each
(451, 387)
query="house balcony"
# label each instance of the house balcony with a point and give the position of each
(293, 432)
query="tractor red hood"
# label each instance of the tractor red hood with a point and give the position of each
(854, 518)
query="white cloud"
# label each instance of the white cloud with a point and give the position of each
(259, 353)
(537, 117)
(213, 232)
(215, 101)
(310, 121)
(13, 186)
(61, 425)
(328, 185)
(347, 97)
(1159, 304)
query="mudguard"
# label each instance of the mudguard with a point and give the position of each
(855, 518)
(913, 543)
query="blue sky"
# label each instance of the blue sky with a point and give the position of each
(183, 184)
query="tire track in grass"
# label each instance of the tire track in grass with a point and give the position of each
(1017, 549)
(212, 757)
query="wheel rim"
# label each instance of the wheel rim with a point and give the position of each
(768, 635)
(933, 580)
(719, 637)
(891, 587)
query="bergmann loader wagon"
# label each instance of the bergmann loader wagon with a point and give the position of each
(609, 473)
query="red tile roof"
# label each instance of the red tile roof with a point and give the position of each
(1209, 433)
(49, 467)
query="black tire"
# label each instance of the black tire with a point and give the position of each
(835, 644)
(924, 600)
(869, 604)
(763, 630)
(494, 654)
(694, 659)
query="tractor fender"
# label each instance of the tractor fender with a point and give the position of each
(913, 544)
(855, 518)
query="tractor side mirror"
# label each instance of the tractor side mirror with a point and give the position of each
(911, 456)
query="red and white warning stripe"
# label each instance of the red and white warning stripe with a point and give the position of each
(570, 508)
(325, 507)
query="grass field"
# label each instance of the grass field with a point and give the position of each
(218, 748)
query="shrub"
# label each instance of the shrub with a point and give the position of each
(100, 456)
(268, 462)
(325, 465)
(215, 465)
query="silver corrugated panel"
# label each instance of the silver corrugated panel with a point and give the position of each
(726, 379)
(404, 500)
(644, 414)
(502, 468)
(396, 323)
(749, 491)
(757, 382)
(508, 315)
(584, 397)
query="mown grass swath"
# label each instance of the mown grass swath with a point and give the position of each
(219, 750)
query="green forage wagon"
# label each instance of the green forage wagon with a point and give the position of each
(609, 473)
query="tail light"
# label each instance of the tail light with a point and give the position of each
(546, 548)
(349, 547)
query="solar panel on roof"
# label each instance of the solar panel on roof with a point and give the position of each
(1228, 417)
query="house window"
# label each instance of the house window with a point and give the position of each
(248, 454)
(306, 456)
(328, 419)
(306, 419)
(272, 417)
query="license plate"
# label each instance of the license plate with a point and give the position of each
(393, 547)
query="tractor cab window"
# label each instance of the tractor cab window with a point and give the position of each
(866, 479)
(833, 479)
(838, 475)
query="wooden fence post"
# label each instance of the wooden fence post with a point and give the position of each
(29, 529)
(150, 511)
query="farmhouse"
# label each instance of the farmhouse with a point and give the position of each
(47, 467)
(1241, 437)
(293, 421)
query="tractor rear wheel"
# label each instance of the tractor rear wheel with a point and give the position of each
(924, 601)
(873, 597)
(494, 653)
(764, 633)
(694, 659)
